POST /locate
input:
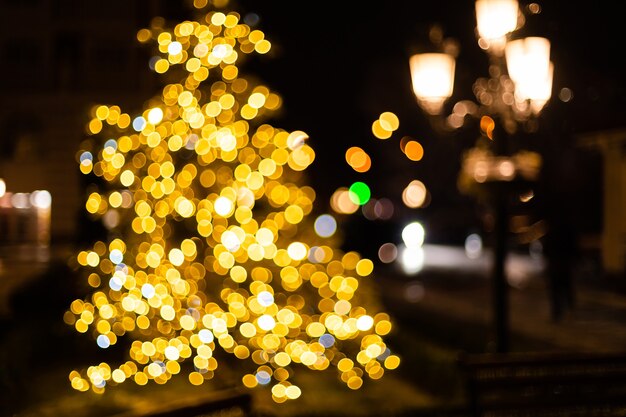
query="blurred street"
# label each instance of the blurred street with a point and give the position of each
(453, 289)
(440, 311)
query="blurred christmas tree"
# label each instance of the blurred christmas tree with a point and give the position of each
(210, 241)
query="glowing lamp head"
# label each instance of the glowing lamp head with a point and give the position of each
(494, 20)
(529, 66)
(432, 76)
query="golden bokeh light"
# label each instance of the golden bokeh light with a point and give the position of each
(414, 195)
(379, 131)
(385, 125)
(342, 203)
(413, 150)
(358, 159)
(487, 125)
(389, 121)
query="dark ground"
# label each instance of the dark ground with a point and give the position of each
(439, 313)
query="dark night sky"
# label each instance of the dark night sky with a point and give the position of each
(338, 66)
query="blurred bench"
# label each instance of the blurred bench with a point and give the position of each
(545, 384)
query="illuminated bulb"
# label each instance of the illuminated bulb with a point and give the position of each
(325, 225)
(220, 51)
(205, 335)
(506, 169)
(40, 199)
(116, 256)
(413, 235)
(201, 50)
(86, 157)
(174, 48)
(327, 340)
(265, 298)
(223, 206)
(168, 312)
(389, 121)
(176, 257)
(118, 376)
(116, 283)
(473, 246)
(364, 323)
(103, 341)
(147, 290)
(230, 241)
(296, 139)
(359, 193)
(110, 146)
(256, 100)
(155, 115)
(412, 259)
(155, 369)
(387, 253)
(227, 141)
(20, 200)
(263, 377)
(292, 392)
(341, 202)
(414, 195)
(266, 322)
(139, 123)
(264, 236)
(297, 251)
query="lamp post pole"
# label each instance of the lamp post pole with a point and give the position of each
(500, 285)
(499, 194)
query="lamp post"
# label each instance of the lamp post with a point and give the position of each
(518, 87)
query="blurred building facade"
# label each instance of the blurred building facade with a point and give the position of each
(611, 144)
(60, 58)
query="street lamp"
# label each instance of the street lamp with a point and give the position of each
(518, 87)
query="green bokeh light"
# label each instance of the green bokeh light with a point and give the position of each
(360, 193)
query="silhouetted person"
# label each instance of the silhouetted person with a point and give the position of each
(559, 204)
(561, 251)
